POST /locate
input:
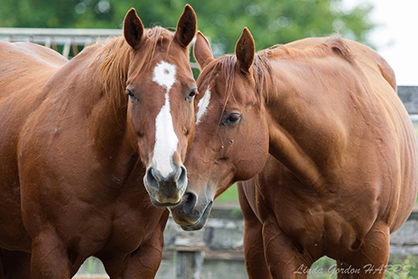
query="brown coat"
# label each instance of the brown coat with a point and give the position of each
(321, 120)
(76, 138)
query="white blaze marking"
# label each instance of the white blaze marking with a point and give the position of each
(165, 74)
(203, 105)
(165, 138)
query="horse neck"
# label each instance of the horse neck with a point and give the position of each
(304, 131)
(103, 100)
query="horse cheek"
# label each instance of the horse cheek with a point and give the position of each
(254, 153)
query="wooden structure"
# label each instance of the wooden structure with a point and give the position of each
(409, 97)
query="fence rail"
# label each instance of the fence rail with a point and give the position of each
(66, 39)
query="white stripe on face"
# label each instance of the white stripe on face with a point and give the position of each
(165, 138)
(203, 106)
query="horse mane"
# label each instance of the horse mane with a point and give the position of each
(113, 58)
(332, 45)
(261, 69)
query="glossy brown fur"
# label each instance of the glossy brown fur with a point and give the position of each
(329, 145)
(74, 148)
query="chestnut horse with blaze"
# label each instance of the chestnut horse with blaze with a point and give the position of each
(331, 151)
(86, 143)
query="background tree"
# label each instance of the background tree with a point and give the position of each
(270, 21)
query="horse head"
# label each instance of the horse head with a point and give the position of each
(231, 140)
(161, 91)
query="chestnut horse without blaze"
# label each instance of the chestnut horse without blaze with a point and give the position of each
(330, 150)
(84, 146)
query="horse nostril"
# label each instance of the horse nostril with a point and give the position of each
(150, 178)
(189, 204)
(182, 180)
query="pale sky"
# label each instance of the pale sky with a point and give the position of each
(396, 37)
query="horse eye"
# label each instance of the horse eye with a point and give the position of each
(131, 95)
(192, 93)
(232, 118)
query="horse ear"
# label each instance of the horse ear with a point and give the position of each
(186, 27)
(202, 51)
(133, 29)
(245, 51)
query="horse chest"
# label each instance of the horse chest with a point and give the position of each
(316, 225)
(132, 225)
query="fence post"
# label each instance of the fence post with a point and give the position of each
(189, 258)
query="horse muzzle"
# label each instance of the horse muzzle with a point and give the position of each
(189, 215)
(166, 190)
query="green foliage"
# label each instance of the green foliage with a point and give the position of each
(273, 22)
(322, 269)
(230, 195)
(402, 268)
(91, 265)
(270, 21)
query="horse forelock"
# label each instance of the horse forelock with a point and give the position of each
(111, 64)
(260, 75)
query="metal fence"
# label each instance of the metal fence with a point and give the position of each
(67, 41)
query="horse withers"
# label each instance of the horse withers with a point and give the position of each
(330, 150)
(81, 139)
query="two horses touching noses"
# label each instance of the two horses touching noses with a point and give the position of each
(325, 145)
(92, 152)
(85, 144)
